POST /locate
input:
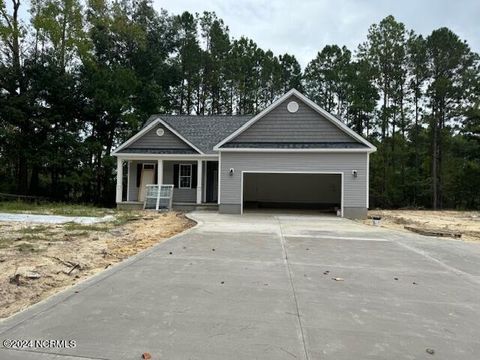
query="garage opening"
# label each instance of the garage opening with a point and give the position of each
(320, 192)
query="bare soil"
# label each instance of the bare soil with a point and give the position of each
(39, 260)
(465, 222)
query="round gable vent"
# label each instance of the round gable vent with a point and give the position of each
(160, 132)
(292, 106)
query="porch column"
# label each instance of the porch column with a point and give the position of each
(129, 164)
(160, 172)
(119, 180)
(199, 181)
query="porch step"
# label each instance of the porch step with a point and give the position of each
(193, 207)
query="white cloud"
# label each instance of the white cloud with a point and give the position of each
(303, 27)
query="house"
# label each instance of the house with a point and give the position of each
(292, 154)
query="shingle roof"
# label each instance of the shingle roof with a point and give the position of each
(203, 131)
(295, 145)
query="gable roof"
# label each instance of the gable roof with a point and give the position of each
(200, 132)
(149, 127)
(333, 119)
(210, 134)
(205, 131)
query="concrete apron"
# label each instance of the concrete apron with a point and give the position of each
(261, 286)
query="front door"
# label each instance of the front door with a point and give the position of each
(147, 178)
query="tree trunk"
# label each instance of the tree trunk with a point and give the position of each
(417, 172)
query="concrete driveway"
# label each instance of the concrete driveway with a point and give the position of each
(260, 286)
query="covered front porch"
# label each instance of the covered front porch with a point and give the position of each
(195, 180)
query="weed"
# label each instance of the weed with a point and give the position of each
(26, 247)
(71, 226)
(126, 216)
(79, 234)
(53, 208)
(34, 229)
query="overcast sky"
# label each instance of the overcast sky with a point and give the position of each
(303, 27)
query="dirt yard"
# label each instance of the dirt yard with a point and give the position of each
(39, 260)
(467, 223)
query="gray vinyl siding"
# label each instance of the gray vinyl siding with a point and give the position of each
(355, 188)
(305, 125)
(132, 182)
(179, 195)
(151, 140)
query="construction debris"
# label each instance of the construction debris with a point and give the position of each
(464, 225)
(434, 232)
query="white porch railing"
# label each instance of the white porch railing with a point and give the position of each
(158, 197)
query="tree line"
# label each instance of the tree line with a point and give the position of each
(77, 78)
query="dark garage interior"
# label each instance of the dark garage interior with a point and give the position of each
(322, 192)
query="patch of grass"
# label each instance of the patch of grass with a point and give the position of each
(34, 229)
(79, 234)
(35, 237)
(26, 247)
(5, 242)
(53, 208)
(71, 226)
(124, 217)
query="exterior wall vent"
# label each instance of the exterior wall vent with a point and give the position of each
(160, 132)
(292, 106)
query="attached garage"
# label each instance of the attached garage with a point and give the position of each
(292, 190)
(294, 154)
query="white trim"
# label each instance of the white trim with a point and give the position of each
(136, 136)
(180, 176)
(368, 180)
(129, 163)
(314, 106)
(204, 181)
(119, 188)
(149, 127)
(140, 157)
(361, 150)
(199, 181)
(219, 185)
(180, 136)
(160, 172)
(253, 120)
(341, 173)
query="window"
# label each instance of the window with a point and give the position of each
(185, 176)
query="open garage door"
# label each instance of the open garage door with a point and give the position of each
(281, 190)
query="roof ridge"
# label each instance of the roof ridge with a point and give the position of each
(204, 116)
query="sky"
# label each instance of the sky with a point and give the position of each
(303, 27)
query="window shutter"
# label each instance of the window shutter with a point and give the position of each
(155, 179)
(175, 175)
(194, 176)
(139, 174)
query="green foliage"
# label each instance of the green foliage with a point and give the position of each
(82, 77)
